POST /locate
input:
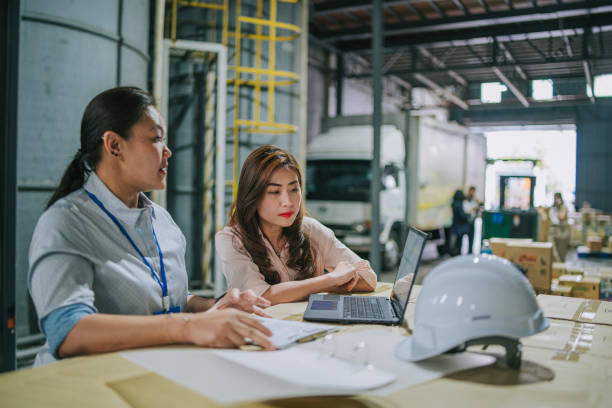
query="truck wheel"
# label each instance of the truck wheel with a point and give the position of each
(392, 252)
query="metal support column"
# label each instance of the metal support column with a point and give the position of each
(198, 177)
(339, 82)
(9, 57)
(303, 84)
(377, 43)
(326, 83)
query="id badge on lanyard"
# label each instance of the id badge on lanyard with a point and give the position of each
(161, 280)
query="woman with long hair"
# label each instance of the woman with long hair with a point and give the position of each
(107, 265)
(272, 248)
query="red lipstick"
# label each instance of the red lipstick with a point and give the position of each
(286, 214)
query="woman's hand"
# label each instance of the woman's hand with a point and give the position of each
(345, 274)
(367, 276)
(362, 266)
(366, 279)
(225, 328)
(247, 301)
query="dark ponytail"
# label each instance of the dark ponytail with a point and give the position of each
(117, 109)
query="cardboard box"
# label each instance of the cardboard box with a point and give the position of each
(573, 339)
(594, 243)
(573, 270)
(561, 290)
(544, 223)
(586, 287)
(575, 309)
(558, 269)
(498, 245)
(603, 220)
(605, 280)
(536, 258)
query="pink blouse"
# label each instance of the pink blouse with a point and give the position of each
(242, 273)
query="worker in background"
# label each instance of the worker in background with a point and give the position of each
(461, 223)
(107, 265)
(558, 232)
(471, 207)
(271, 247)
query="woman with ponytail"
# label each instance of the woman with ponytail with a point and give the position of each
(272, 248)
(107, 265)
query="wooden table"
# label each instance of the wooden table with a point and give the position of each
(569, 365)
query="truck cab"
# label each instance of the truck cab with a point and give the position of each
(338, 177)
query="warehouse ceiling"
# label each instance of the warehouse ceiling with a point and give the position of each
(449, 44)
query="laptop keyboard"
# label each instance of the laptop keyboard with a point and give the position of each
(363, 307)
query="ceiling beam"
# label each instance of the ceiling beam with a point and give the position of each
(563, 62)
(480, 40)
(483, 3)
(589, 79)
(531, 30)
(438, 10)
(511, 58)
(461, 6)
(416, 11)
(342, 6)
(394, 13)
(396, 55)
(441, 65)
(519, 95)
(355, 18)
(539, 51)
(523, 15)
(568, 46)
(334, 20)
(448, 95)
(474, 53)
(457, 77)
(357, 59)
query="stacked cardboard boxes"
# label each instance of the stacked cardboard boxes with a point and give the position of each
(594, 243)
(559, 290)
(558, 269)
(578, 281)
(591, 231)
(536, 259)
(498, 245)
(604, 274)
(582, 286)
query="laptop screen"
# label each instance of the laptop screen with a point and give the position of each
(406, 274)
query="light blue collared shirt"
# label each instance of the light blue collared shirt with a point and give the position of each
(79, 256)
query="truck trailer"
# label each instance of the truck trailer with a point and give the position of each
(423, 161)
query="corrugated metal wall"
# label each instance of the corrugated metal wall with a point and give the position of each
(594, 155)
(69, 52)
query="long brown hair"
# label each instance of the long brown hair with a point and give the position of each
(256, 173)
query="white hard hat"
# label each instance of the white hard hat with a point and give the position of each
(473, 299)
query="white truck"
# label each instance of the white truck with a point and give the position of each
(423, 161)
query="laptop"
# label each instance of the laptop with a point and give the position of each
(373, 309)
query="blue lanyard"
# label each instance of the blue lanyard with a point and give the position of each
(163, 284)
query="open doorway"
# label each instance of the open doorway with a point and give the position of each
(543, 155)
